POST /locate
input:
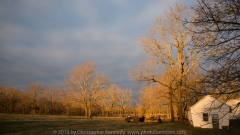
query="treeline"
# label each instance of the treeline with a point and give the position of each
(39, 99)
(86, 93)
(36, 99)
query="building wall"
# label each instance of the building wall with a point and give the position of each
(211, 106)
(235, 108)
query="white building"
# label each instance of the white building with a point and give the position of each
(209, 113)
(235, 106)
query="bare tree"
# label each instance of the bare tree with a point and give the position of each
(103, 102)
(33, 92)
(55, 101)
(167, 46)
(67, 103)
(152, 100)
(217, 25)
(124, 100)
(43, 101)
(86, 86)
(113, 94)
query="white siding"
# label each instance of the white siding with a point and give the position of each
(235, 108)
(211, 106)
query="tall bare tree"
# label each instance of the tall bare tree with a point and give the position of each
(86, 86)
(217, 25)
(167, 46)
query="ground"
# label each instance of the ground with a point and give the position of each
(18, 124)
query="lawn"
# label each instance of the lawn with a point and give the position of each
(18, 124)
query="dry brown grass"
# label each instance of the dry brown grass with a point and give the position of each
(49, 125)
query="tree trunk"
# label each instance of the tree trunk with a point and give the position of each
(86, 111)
(111, 112)
(103, 111)
(180, 71)
(89, 112)
(171, 108)
(123, 112)
(180, 112)
(67, 109)
(45, 109)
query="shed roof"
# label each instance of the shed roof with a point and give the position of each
(210, 99)
(233, 102)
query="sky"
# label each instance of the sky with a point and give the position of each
(41, 41)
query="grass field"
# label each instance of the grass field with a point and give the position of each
(65, 125)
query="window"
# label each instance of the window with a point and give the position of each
(205, 116)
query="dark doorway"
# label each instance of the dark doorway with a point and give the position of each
(215, 121)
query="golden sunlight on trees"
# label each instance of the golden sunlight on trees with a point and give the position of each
(168, 48)
(113, 93)
(42, 100)
(153, 102)
(116, 101)
(86, 93)
(33, 92)
(86, 86)
(9, 99)
(36, 99)
(124, 101)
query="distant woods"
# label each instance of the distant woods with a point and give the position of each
(35, 99)
(87, 93)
